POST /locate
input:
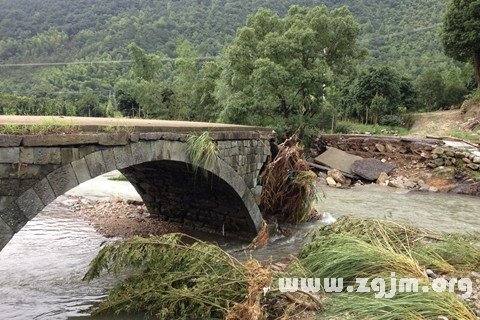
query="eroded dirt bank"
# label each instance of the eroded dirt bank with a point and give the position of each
(420, 164)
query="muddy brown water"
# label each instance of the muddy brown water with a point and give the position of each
(42, 266)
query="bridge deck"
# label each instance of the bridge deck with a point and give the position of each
(143, 125)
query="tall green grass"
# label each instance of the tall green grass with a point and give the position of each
(202, 150)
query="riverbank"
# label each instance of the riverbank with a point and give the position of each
(432, 165)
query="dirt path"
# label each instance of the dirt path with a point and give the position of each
(441, 123)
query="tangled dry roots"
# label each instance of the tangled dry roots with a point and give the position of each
(289, 186)
(259, 278)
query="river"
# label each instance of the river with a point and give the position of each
(42, 266)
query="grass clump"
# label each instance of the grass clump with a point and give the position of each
(451, 254)
(410, 306)
(202, 150)
(344, 256)
(179, 277)
(49, 126)
(373, 230)
(289, 186)
(355, 127)
(172, 277)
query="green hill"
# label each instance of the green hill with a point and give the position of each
(403, 34)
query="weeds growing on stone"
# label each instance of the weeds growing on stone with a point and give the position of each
(202, 150)
(49, 126)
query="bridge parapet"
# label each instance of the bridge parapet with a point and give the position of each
(35, 170)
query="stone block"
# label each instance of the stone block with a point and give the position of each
(13, 217)
(123, 156)
(10, 140)
(40, 155)
(96, 164)
(120, 138)
(9, 187)
(109, 160)
(5, 201)
(9, 155)
(141, 152)
(85, 151)
(62, 180)
(44, 191)
(60, 140)
(30, 204)
(69, 155)
(81, 170)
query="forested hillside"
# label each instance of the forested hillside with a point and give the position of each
(281, 63)
(403, 34)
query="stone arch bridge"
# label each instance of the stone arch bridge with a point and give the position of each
(152, 154)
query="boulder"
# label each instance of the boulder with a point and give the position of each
(337, 159)
(370, 169)
(337, 176)
(476, 160)
(380, 147)
(331, 182)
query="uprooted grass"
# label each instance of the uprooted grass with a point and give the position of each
(171, 278)
(344, 256)
(202, 150)
(367, 248)
(289, 187)
(442, 253)
(179, 277)
(409, 306)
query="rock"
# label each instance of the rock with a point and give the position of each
(438, 162)
(331, 182)
(382, 179)
(466, 160)
(476, 160)
(431, 274)
(438, 150)
(421, 183)
(433, 189)
(435, 156)
(339, 185)
(384, 160)
(408, 184)
(459, 155)
(337, 159)
(389, 148)
(370, 169)
(380, 147)
(337, 176)
(396, 183)
(450, 154)
(448, 162)
(424, 155)
(444, 173)
(403, 150)
(473, 166)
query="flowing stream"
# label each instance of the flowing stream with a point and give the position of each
(41, 269)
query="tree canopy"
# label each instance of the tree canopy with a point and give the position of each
(278, 69)
(461, 32)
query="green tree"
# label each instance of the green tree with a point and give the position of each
(461, 32)
(431, 89)
(278, 68)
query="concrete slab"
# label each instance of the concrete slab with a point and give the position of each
(337, 159)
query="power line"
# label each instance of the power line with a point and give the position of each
(52, 64)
